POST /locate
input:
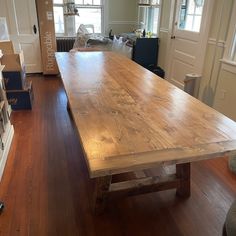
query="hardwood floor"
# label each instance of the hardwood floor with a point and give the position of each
(46, 188)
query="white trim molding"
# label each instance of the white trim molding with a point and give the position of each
(164, 30)
(123, 23)
(177, 83)
(229, 66)
(220, 43)
(231, 37)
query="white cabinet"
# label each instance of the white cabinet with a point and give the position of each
(6, 128)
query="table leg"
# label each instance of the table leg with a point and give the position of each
(101, 193)
(68, 107)
(183, 172)
(69, 110)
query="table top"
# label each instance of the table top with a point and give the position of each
(129, 119)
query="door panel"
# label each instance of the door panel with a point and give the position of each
(184, 57)
(31, 59)
(180, 67)
(23, 17)
(188, 46)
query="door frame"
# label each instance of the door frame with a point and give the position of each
(205, 25)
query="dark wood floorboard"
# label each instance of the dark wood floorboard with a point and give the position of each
(46, 188)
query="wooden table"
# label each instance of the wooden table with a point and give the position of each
(129, 119)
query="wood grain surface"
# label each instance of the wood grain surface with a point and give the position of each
(46, 188)
(130, 119)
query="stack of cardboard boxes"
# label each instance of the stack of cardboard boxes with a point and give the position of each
(19, 91)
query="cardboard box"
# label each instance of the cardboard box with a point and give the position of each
(13, 62)
(14, 80)
(21, 99)
(6, 47)
(47, 36)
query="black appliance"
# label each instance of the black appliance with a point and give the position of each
(145, 53)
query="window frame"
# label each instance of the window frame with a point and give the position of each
(86, 6)
(143, 4)
(229, 58)
(194, 15)
(60, 5)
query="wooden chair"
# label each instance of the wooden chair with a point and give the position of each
(232, 164)
(230, 222)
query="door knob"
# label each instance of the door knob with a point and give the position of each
(35, 29)
(172, 37)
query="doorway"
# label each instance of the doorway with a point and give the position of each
(187, 46)
(23, 29)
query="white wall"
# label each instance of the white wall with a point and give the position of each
(122, 16)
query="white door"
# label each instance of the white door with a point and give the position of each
(23, 29)
(189, 39)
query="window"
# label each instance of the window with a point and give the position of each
(191, 15)
(59, 19)
(90, 12)
(149, 13)
(233, 50)
(229, 60)
(68, 17)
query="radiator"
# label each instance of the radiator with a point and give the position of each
(65, 44)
